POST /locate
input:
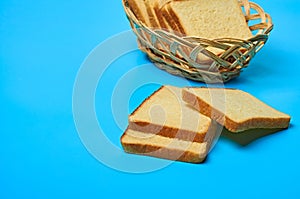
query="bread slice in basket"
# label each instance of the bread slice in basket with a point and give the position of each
(235, 109)
(210, 19)
(149, 13)
(165, 113)
(195, 18)
(163, 147)
(143, 12)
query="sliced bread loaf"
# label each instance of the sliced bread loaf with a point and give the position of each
(210, 19)
(143, 10)
(171, 20)
(163, 147)
(165, 113)
(235, 109)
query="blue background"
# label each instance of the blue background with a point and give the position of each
(42, 46)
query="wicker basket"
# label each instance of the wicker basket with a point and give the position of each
(180, 55)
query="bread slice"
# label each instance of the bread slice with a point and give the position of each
(163, 147)
(151, 4)
(235, 109)
(158, 15)
(164, 113)
(144, 12)
(155, 13)
(210, 19)
(139, 10)
(172, 20)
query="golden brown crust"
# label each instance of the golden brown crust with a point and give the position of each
(228, 123)
(203, 107)
(160, 17)
(173, 18)
(169, 19)
(151, 15)
(258, 123)
(122, 137)
(168, 131)
(161, 152)
(135, 9)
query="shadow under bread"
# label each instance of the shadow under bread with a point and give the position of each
(246, 137)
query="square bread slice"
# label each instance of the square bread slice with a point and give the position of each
(165, 113)
(210, 19)
(235, 109)
(163, 147)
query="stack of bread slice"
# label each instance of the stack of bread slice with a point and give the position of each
(204, 19)
(165, 126)
(201, 18)
(182, 123)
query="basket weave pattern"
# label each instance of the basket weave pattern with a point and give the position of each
(179, 55)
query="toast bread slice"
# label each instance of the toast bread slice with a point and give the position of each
(210, 19)
(171, 20)
(235, 109)
(156, 7)
(163, 147)
(144, 12)
(139, 10)
(165, 113)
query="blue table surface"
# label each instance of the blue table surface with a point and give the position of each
(43, 45)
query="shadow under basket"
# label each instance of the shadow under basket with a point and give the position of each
(193, 57)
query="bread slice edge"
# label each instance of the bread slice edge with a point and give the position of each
(143, 146)
(227, 122)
